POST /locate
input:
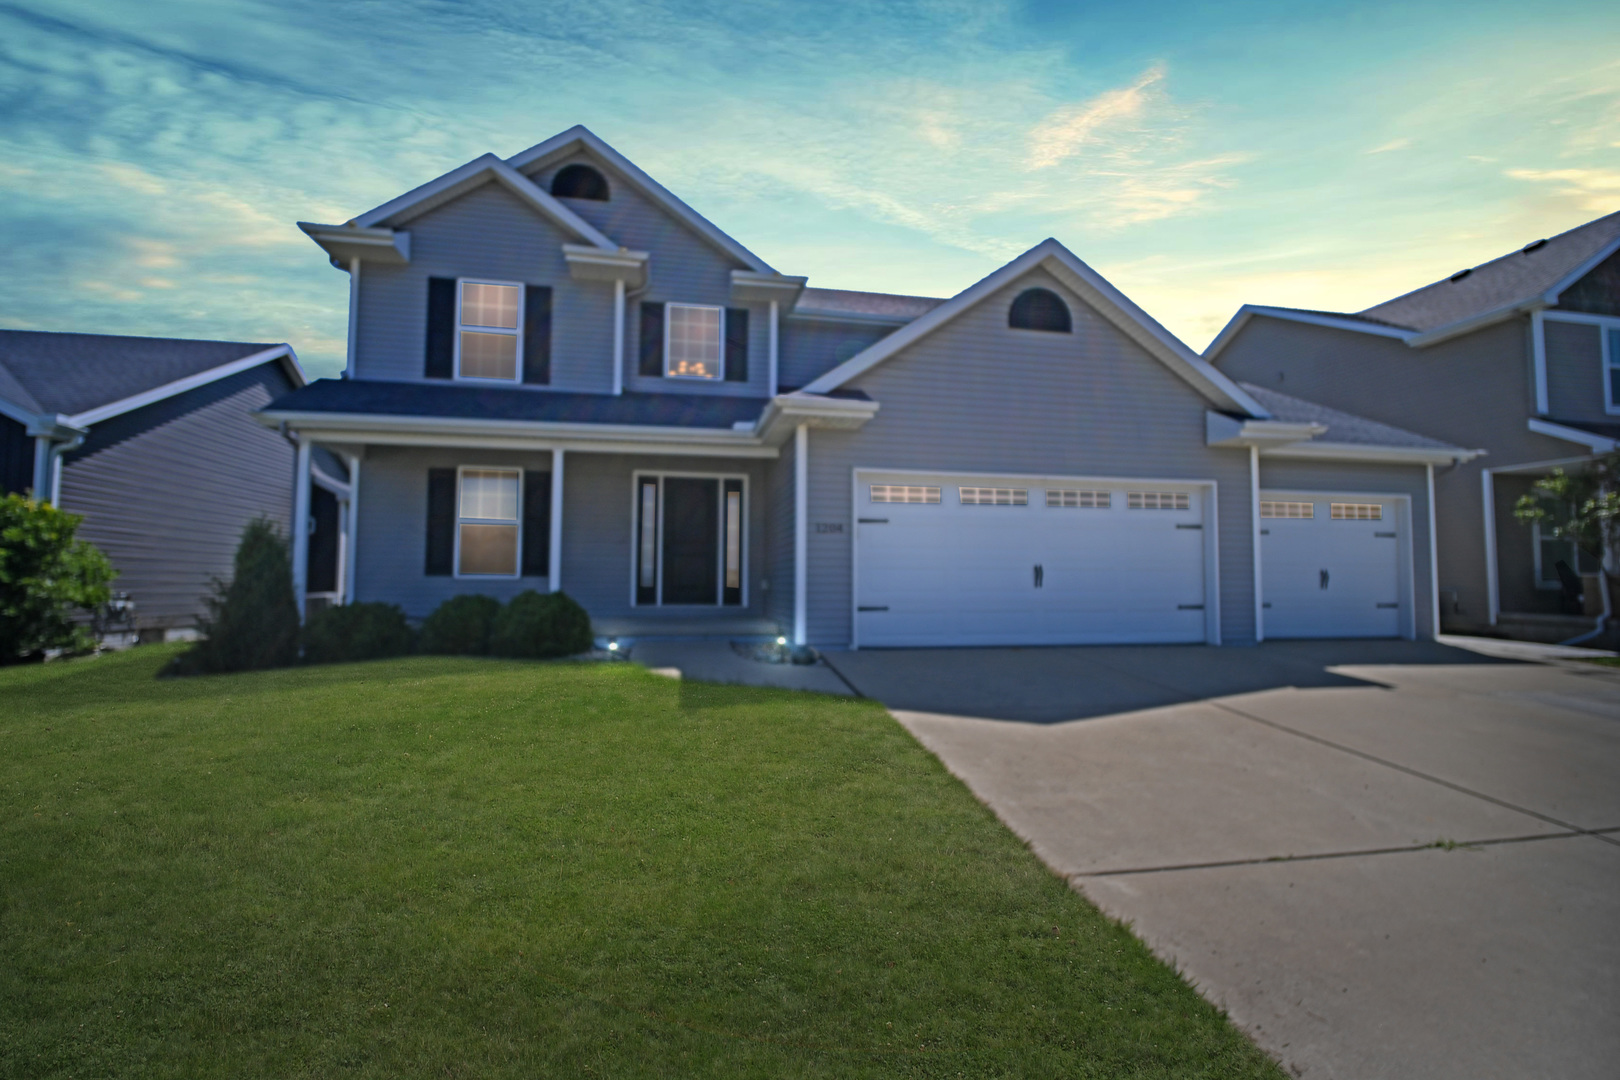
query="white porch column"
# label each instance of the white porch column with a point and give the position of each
(1259, 564)
(774, 363)
(1434, 558)
(42, 468)
(618, 335)
(300, 525)
(801, 527)
(1538, 352)
(351, 544)
(354, 314)
(57, 450)
(554, 570)
(1492, 586)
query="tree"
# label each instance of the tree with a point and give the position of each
(252, 622)
(47, 576)
(1582, 506)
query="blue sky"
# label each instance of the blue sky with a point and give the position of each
(154, 155)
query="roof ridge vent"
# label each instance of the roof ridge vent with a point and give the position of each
(1459, 275)
(1533, 245)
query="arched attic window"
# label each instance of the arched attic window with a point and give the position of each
(579, 182)
(1040, 309)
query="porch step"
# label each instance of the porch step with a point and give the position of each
(1548, 629)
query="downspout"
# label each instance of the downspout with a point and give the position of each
(1434, 559)
(354, 316)
(618, 336)
(1492, 587)
(775, 362)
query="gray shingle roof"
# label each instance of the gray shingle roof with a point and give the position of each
(72, 373)
(1500, 283)
(853, 302)
(1342, 427)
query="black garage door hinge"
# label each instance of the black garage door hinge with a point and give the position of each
(872, 608)
(1189, 607)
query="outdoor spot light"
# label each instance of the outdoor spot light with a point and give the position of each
(613, 645)
(781, 641)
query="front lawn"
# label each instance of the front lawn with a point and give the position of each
(462, 868)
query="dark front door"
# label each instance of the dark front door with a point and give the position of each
(691, 540)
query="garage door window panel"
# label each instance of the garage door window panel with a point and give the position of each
(1157, 500)
(1059, 498)
(1343, 511)
(990, 496)
(905, 493)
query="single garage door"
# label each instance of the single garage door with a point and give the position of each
(1332, 566)
(1027, 561)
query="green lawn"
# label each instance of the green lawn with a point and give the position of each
(459, 868)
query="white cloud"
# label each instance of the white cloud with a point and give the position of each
(1393, 144)
(1068, 130)
(1595, 190)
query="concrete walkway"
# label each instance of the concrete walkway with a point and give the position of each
(1385, 859)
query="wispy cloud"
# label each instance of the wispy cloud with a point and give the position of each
(1393, 144)
(1072, 128)
(1593, 190)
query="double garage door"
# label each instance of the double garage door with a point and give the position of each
(1029, 561)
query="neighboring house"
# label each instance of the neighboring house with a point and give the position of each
(153, 440)
(1517, 357)
(560, 376)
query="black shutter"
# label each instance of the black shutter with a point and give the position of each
(536, 524)
(736, 344)
(441, 329)
(537, 334)
(441, 522)
(652, 339)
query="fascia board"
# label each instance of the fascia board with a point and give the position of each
(55, 426)
(751, 286)
(816, 315)
(283, 353)
(17, 412)
(1550, 297)
(1474, 322)
(1599, 444)
(1249, 311)
(587, 263)
(786, 411)
(1392, 455)
(1221, 430)
(1091, 287)
(370, 423)
(580, 136)
(345, 242)
(477, 171)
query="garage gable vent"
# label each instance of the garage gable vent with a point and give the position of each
(904, 493)
(1156, 500)
(993, 496)
(1287, 510)
(1356, 511)
(1082, 500)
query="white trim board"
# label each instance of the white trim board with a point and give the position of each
(1335, 322)
(1093, 290)
(579, 137)
(191, 382)
(1598, 444)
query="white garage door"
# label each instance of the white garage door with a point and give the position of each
(974, 561)
(1331, 566)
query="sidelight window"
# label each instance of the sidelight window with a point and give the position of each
(690, 540)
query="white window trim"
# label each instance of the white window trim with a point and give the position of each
(1536, 540)
(1607, 332)
(660, 475)
(720, 362)
(517, 367)
(518, 567)
(1606, 359)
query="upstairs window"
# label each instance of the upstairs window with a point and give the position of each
(579, 182)
(694, 336)
(488, 343)
(1040, 309)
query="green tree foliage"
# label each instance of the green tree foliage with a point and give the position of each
(540, 625)
(349, 632)
(460, 626)
(253, 621)
(46, 577)
(1582, 506)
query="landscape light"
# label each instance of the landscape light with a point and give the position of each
(613, 646)
(781, 641)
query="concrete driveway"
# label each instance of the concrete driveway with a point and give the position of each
(1384, 859)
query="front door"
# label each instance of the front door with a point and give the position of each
(689, 533)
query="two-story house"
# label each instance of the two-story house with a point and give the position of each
(1517, 357)
(560, 376)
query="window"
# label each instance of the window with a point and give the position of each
(579, 182)
(992, 496)
(1296, 510)
(487, 345)
(487, 522)
(1040, 309)
(1611, 363)
(904, 493)
(1356, 511)
(1081, 500)
(693, 337)
(1156, 500)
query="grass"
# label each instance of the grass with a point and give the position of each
(1602, 661)
(447, 868)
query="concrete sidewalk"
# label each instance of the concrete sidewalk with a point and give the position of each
(1385, 859)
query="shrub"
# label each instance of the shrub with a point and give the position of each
(252, 622)
(348, 632)
(460, 626)
(539, 625)
(46, 575)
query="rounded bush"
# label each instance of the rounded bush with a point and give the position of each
(336, 635)
(539, 625)
(460, 626)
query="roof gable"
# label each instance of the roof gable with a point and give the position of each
(1090, 287)
(580, 139)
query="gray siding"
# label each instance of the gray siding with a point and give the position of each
(976, 396)
(1363, 479)
(487, 233)
(1575, 372)
(597, 530)
(808, 349)
(1475, 391)
(1598, 293)
(779, 534)
(166, 490)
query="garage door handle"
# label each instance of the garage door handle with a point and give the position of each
(1325, 578)
(1389, 605)
(1386, 536)
(871, 521)
(872, 608)
(1189, 607)
(1189, 526)
(1040, 575)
